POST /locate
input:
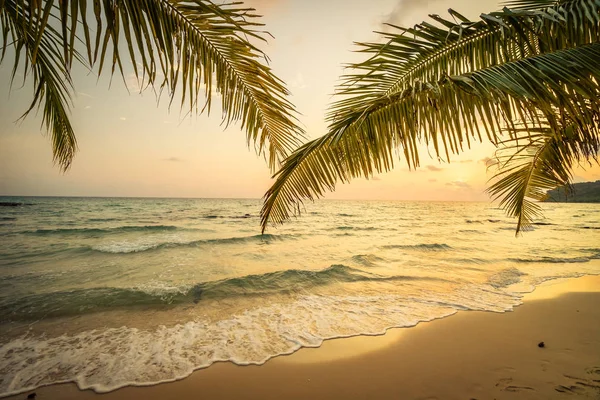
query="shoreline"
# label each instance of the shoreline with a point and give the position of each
(443, 358)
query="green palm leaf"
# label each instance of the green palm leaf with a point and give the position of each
(51, 78)
(538, 160)
(190, 49)
(446, 86)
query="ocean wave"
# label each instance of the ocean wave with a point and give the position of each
(552, 260)
(84, 301)
(107, 359)
(356, 228)
(103, 219)
(482, 221)
(367, 260)
(14, 204)
(85, 231)
(242, 216)
(420, 246)
(505, 278)
(126, 247)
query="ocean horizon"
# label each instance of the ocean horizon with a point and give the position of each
(108, 292)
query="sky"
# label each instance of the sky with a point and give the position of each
(130, 146)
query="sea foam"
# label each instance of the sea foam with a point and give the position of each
(104, 360)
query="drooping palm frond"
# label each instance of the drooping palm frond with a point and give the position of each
(445, 85)
(190, 48)
(537, 160)
(427, 53)
(532, 4)
(51, 78)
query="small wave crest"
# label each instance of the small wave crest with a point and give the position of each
(420, 246)
(356, 228)
(137, 247)
(551, 260)
(367, 260)
(84, 231)
(83, 301)
(505, 278)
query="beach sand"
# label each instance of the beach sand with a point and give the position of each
(470, 355)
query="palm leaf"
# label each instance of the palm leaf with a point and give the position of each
(538, 160)
(191, 49)
(51, 78)
(427, 54)
(511, 66)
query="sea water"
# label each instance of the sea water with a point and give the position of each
(109, 292)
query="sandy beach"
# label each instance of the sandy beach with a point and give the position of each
(470, 355)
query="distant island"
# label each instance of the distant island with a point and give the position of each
(585, 192)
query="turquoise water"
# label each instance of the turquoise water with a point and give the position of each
(108, 292)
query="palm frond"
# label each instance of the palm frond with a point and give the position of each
(531, 4)
(392, 107)
(317, 166)
(537, 160)
(428, 53)
(192, 49)
(52, 83)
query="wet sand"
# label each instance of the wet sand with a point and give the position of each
(470, 355)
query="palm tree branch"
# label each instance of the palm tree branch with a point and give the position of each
(497, 38)
(43, 56)
(495, 96)
(532, 164)
(198, 40)
(183, 46)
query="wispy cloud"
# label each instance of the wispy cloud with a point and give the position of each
(133, 84)
(83, 94)
(488, 161)
(433, 180)
(403, 9)
(434, 168)
(298, 81)
(123, 118)
(375, 178)
(173, 159)
(459, 184)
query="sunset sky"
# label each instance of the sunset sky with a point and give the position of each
(129, 146)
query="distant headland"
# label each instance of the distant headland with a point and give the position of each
(585, 192)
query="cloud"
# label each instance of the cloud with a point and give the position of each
(433, 180)
(298, 81)
(459, 184)
(173, 159)
(434, 168)
(404, 8)
(133, 84)
(85, 95)
(123, 118)
(87, 107)
(375, 178)
(465, 161)
(488, 162)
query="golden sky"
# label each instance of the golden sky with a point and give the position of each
(130, 147)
